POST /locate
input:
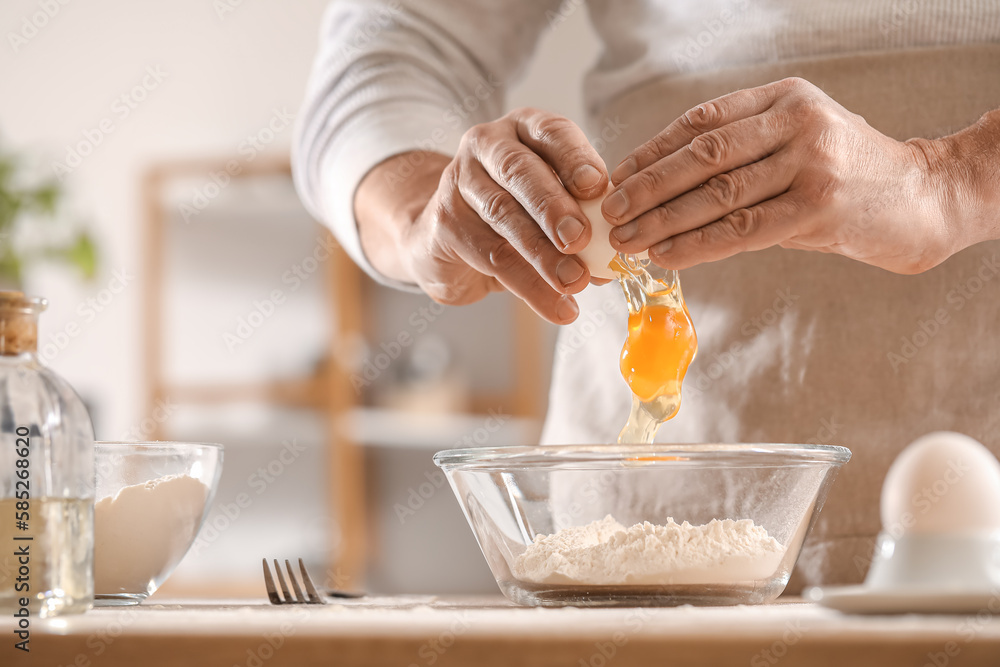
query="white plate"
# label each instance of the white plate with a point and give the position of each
(865, 600)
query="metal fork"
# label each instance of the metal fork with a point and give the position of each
(276, 598)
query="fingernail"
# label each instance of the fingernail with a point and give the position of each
(569, 271)
(625, 233)
(586, 177)
(662, 247)
(616, 204)
(623, 170)
(567, 310)
(569, 230)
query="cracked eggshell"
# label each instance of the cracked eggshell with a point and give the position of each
(599, 253)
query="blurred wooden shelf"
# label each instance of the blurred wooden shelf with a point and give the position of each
(397, 428)
(309, 392)
(327, 388)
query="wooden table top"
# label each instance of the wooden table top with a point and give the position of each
(421, 632)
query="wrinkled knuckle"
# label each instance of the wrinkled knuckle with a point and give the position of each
(548, 128)
(476, 137)
(742, 222)
(552, 207)
(829, 123)
(698, 237)
(477, 131)
(504, 258)
(657, 146)
(803, 107)
(796, 84)
(499, 206)
(709, 149)
(511, 166)
(648, 180)
(702, 117)
(725, 189)
(658, 218)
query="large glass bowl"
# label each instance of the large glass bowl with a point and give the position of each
(152, 498)
(513, 495)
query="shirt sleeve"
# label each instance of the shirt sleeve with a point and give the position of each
(401, 75)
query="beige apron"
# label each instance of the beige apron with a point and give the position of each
(806, 347)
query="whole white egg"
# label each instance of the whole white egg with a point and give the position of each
(943, 482)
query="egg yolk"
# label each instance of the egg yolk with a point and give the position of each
(660, 345)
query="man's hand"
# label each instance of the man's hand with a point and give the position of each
(496, 216)
(783, 164)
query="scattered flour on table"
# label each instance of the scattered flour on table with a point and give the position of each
(144, 530)
(607, 553)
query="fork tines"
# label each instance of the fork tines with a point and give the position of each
(311, 597)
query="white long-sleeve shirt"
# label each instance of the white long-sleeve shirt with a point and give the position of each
(793, 346)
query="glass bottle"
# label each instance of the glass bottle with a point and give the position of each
(46, 476)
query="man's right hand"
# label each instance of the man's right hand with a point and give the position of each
(496, 216)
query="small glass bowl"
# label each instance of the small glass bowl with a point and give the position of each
(152, 498)
(511, 495)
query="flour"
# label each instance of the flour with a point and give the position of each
(607, 553)
(143, 531)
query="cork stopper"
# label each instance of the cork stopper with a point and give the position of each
(19, 323)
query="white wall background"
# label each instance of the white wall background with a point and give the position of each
(225, 74)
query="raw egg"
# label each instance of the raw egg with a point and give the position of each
(661, 341)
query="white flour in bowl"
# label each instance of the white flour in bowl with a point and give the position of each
(143, 531)
(607, 553)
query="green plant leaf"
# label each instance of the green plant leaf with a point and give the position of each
(81, 254)
(10, 206)
(10, 268)
(8, 166)
(45, 198)
(42, 198)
